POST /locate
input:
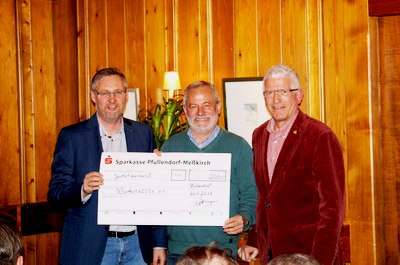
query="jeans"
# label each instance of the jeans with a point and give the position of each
(121, 251)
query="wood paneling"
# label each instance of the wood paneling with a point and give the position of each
(49, 51)
(135, 47)
(245, 38)
(384, 7)
(10, 190)
(386, 128)
(223, 51)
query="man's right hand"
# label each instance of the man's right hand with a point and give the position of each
(247, 253)
(92, 182)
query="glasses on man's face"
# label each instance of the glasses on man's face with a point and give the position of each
(107, 94)
(279, 92)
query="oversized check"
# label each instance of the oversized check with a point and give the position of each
(173, 189)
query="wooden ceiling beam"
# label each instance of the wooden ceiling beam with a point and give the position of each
(379, 8)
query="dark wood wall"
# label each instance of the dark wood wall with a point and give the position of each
(50, 49)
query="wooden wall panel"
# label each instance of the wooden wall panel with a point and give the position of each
(155, 49)
(135, 47)
(44, 96)
(377, 140)
(386, 112)
(66, 71)
(269, 35)
(294, 42)
(82, 24)
(357, 130)
(314, 65)
(10, 190)
(222, 53)
(245, 38)
(97, 42)
(116, 33)
(192, 41)
(27, 99)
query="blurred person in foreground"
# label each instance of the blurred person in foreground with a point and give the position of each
(299, 169)
(294, 259)
(76, 180)
(205, 255)
(11, 247)
(202, 108)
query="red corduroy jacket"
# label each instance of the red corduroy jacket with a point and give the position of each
(302, 209)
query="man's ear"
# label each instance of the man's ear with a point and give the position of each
(93, 96)
(20, 260)
(299, 96)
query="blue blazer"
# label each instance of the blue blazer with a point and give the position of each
(77, 152)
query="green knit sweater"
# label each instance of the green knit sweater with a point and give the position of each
(243, 193)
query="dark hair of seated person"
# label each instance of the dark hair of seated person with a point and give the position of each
(11, 247)
(201, 255)
(294, 259)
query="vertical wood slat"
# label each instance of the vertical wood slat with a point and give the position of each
(155, 51)
(44, 109)
(377, 140)
(389, 122)
(269, 37)
(245, 38)
(223, 56)
(135, 48)
(357, 129)
(66, 67)
(204, 17)
(294, 42)
(115, 25)
(26, 99)
(314, 64)
(10, 177)
(82, 59)
(189, 40)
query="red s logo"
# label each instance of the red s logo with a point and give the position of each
(108, 160)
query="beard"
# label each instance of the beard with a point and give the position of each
(203, 129)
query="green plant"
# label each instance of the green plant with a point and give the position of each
(166, 119)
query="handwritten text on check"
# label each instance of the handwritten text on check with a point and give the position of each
(173, 189)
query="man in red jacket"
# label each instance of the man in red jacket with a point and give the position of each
(298, 164)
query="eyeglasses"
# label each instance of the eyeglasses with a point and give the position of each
(107, 94)
(279, 92)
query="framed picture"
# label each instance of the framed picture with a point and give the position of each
(244, 106)
(132, 106)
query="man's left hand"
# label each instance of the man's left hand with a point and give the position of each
(235, 224)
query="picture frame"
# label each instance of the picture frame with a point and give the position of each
(244, 105)
(132, 106)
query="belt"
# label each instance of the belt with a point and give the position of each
(120, 234)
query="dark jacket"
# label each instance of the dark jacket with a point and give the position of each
(302, 209)
(78, 151)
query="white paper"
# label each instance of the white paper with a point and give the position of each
(173, 189)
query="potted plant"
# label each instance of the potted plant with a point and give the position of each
(166, 119)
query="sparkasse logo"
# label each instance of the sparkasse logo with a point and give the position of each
(108, 160)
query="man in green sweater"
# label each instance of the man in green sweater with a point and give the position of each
(202, 107)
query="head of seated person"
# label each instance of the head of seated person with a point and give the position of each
(11, 247)
(205, 255)
(294, 259)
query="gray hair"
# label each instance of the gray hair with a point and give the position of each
(294, 259)
(281, 70)
(198, 84)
